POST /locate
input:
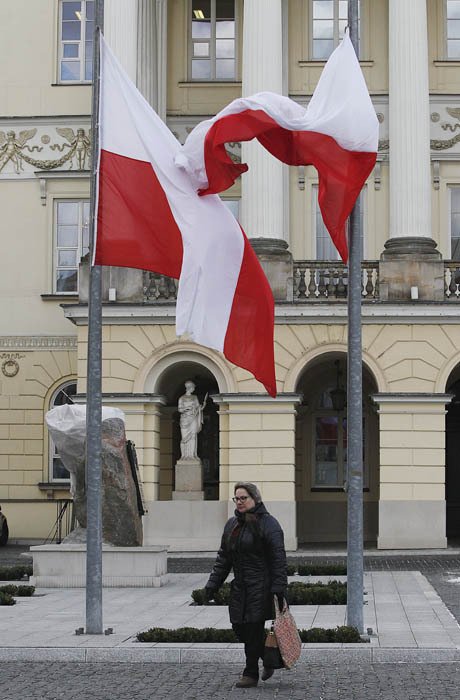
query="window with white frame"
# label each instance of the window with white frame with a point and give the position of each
(325, 248)
(330, 444)
(71, 243)
(329, 19)
(455, 223)
(63, 395)
(453, 28)
(213, 40)
(76, 27)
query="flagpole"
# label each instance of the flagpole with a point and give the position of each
(94, 375)
(355, 574)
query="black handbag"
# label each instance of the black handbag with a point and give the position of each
(272, 655)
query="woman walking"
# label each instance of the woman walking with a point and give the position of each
(253, 546)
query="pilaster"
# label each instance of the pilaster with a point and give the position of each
(412, 508)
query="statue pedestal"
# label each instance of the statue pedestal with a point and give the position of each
(189, 480)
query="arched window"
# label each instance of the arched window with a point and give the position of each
(63, 395)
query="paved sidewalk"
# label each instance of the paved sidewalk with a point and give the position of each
(409, 621)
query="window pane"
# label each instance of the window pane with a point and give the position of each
(67, 213)
(342, 26)
(323, 9)
(67, 236)
(453, 48)
(70, 9)
(66, 281)
(70, 70)
(322, 48)
(71, 50)
(201, 8)
(455, 222)
(323, 29)
(225, 9)
(59, 471)
(201, 70)
(225, 29)
(343, 9)
(201, 49)
(67, 258)
(88, 70)
(90, 9)
(225, 69)
(326, 464)
(201, 30)
(453, 29)
(453, 9)
(225, 48)
(71, 30)
(89, 31)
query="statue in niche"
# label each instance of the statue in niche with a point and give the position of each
(191, 420)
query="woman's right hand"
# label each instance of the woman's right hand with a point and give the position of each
(209, 594)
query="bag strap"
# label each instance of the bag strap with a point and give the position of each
(277, 607)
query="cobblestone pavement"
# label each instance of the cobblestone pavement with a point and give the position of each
(115, 681)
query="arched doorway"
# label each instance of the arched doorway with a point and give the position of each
(171, 385)
(321, 452)
(452, 458)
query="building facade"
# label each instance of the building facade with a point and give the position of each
(190, 58)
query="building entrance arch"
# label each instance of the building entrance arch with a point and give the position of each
(321, 452)
(452, 457)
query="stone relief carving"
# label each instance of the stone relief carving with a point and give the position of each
(16, 152)
(10, 364)
(438, 144)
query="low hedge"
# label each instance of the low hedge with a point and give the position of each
(6, 599)
(298, 593)
(321, 569)
(15, 573)
(316, 635)
(17, 591)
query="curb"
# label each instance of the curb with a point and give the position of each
(203, 653)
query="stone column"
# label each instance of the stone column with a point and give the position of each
(257, 443)
(151, 52)
(263, 186)
(410, 258)
(120, 31)
(412, 505)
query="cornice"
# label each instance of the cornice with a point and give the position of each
(55, 342)
(332, 313)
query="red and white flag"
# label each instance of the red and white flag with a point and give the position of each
(149, 216)
(337, 133)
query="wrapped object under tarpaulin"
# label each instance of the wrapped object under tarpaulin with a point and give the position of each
(121, 516)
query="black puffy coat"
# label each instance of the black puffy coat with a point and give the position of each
(253, 545)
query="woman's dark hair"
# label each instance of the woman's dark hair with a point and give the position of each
(252, 490)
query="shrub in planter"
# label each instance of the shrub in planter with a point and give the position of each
(211, 635)
(339, 635)
(15, 573)
(298, 593)
(222, 596)
(321, 569)
(9, 589)
(291, 569)
(24, 591)
(187, 634)
(7, 599)
(18, 591)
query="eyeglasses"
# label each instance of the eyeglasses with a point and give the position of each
(235, 499)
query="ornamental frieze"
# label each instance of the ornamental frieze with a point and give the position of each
(445, 121)
(26, 149)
